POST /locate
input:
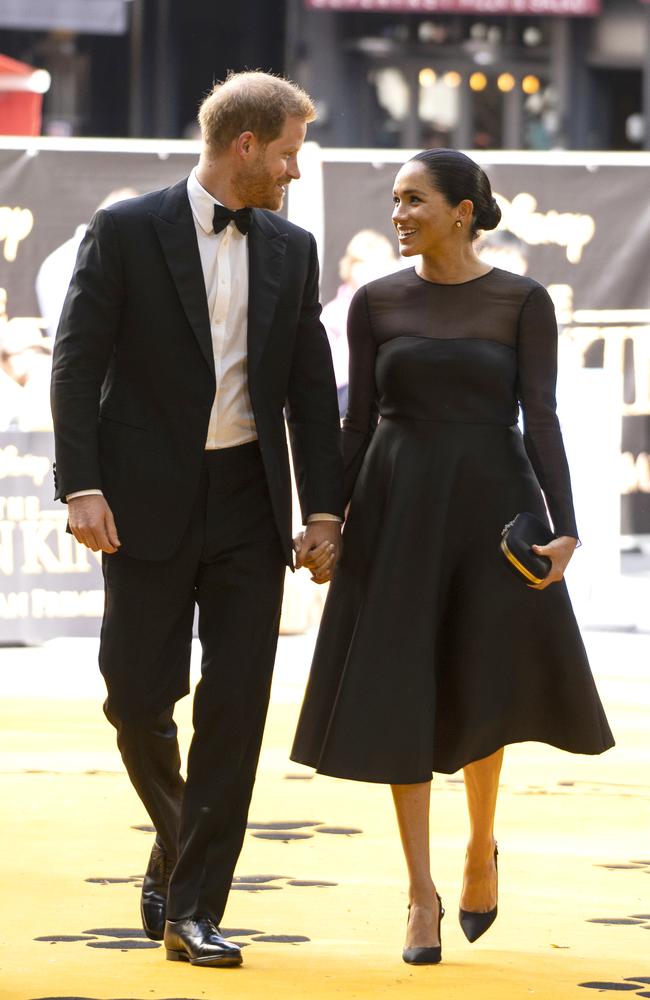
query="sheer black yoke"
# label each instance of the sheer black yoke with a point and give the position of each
(468, 353)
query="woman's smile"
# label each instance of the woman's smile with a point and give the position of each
(404, 234)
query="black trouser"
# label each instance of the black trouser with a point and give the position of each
(231, 565)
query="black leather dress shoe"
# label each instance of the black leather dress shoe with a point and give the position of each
(153, 900)
(196, 940)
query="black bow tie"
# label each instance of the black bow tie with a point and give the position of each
(242, 218)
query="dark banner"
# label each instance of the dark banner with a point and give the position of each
(579, 229)
(584, 227)
(568, 8)
(46, 200)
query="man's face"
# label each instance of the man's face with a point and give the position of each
(261, 183)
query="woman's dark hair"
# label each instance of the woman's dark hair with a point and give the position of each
(457, 177)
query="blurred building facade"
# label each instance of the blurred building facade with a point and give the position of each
(138, 68)
(571, 74)
(476, 80)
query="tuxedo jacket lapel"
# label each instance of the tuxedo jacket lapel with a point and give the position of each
(174, 225)
(177, 234)
(266, 251)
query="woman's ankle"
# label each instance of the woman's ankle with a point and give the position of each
(422, 895)
(480, 850)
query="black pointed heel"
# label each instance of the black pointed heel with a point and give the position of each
(425, 956)
(474, 925)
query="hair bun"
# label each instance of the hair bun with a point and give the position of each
(490, 216)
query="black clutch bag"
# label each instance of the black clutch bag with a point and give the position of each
(517, 539)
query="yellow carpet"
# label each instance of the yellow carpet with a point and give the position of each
(72, 853)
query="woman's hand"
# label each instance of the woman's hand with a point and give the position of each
(559, 551)
(318, 549)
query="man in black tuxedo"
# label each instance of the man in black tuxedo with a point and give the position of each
(191, 323)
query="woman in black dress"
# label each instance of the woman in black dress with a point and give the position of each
(432, 654)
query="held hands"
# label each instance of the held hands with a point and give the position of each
(318, 548)
(559, 551)
(91, 522)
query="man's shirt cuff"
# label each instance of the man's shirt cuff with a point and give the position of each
(84, 493)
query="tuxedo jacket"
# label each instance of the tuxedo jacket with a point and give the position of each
(133, 378)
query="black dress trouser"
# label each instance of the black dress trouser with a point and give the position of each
(231, 565)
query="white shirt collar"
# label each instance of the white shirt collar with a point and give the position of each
(201, 202)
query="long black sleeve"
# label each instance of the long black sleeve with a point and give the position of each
(312, 408)
(537, 372)
(82, 352)
(361, 418)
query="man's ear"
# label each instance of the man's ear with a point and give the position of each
(245, 144)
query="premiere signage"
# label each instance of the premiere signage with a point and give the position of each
(566, 8)
(50, 585)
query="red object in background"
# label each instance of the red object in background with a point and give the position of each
(20, 105)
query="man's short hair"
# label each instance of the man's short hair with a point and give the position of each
(251, 102)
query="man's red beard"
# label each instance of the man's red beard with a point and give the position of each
(255, 187)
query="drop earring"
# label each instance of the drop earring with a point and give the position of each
(459, 224)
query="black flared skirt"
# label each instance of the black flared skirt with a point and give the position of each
(432, 652)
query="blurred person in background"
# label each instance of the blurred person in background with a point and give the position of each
(55, 272)
(191, 324)
(433, 653)
(10, 393)
(26, 365)
(368, 255)
(503, 249)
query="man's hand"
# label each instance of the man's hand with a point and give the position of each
(91, 522)
(318, 548)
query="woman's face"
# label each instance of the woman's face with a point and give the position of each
(422, 216)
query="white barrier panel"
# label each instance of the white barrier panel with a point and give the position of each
(591, 427)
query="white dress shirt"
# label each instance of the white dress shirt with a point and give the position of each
(224, 261)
